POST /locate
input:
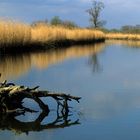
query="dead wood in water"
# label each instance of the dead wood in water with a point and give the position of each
(10, 122)
(11, 98)
(11, 106)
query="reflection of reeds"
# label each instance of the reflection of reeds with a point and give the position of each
(43, 60)
(128, 43)
(14, 66)
(122, 36)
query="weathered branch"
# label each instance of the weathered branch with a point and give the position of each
(11, 98)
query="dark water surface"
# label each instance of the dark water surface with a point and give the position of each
(106, 76)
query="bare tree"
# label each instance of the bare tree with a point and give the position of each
(95, 12)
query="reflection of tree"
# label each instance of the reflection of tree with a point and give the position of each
(9, 122)
(16, 65)
(94, 62)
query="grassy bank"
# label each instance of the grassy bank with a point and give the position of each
(122, 36)
(44, 33)
(14, 34)
(25, 37)
(20, 35)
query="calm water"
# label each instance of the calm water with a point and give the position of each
(106, 76)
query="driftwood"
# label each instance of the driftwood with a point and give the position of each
(11, 98)
(11, 106)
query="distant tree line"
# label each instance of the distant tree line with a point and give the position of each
(56, 21)
(130, 29)
(94, 13)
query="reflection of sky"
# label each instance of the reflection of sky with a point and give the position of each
(116, 12)
(109, 92)
(110, 99)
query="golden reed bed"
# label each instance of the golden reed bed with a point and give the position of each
(44, 33)
(122, 36)
(19, 34)
(14, 34)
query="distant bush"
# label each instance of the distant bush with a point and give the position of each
(128, 29)
(69, 24)
(131, 29)
(56, 21)
(39, 22)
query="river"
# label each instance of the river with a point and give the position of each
(106, 76)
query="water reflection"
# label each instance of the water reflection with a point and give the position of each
(10, 122)
(94, 62)
(13, 66)
(110, 106)
(126, 43)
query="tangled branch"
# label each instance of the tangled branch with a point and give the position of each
(11, 98)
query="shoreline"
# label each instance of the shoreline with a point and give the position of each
(34, 47)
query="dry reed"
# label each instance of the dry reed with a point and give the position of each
(121, 36)
(18, 34)
(43, 34)
(14, 34)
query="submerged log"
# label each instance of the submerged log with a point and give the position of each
(11, 98)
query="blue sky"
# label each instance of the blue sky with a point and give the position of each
(116, 12)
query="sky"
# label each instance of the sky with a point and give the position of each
(116, 12)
